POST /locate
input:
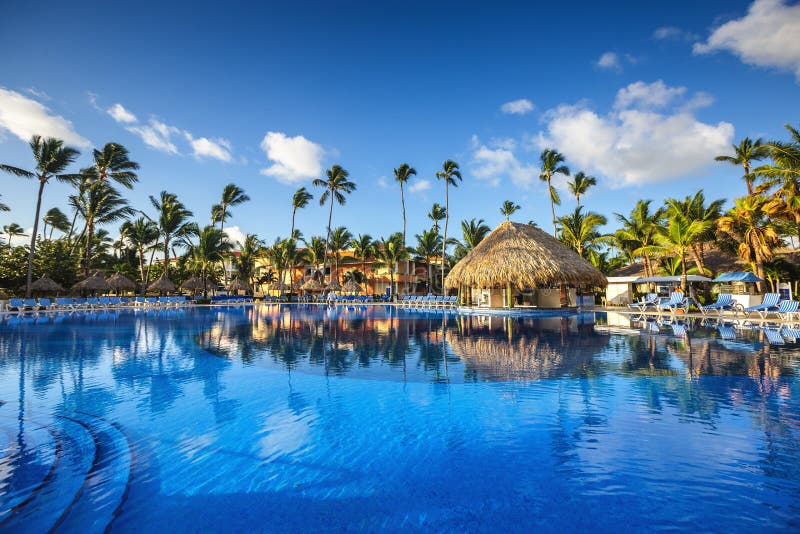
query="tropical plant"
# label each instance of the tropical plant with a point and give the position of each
(112, 163)
(141, 234)
(101, 205)
(340, 239)
(4, 207)
(429, 244)
(56, 220)
(451, 175)
(212, 245)
(389, 252)
(300, 200)
(581, 231)
(172, 221)
(508, 209)
(363, 249)
(694, 208)
(232, 195)
(675, 239)
(552, 164)
(637, 235)
(337, 186)
(52, 159)
(13, 230)
(437, 213)
(579, 184)
(745, 154)
(401, 175)
(249, 252)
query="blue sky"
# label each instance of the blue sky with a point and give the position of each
(642, 95)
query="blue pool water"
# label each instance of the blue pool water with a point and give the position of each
(303, 418)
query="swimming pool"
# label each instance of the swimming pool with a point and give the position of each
(299, 417)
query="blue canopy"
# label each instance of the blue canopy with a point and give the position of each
(737, 277)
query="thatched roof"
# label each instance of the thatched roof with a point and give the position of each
(312, 285)
(96, 282)
(238, 284)
(162, 284)
(525, 257)
(334, 285)
(352, 287)
(279, 286)
(118, 281)
(45, 283)
(193, 283)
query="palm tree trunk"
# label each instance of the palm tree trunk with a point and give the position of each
(698, 259)
(140, 249)
(291, 234)
(327, 238)
(166, 258)
(748, 180)
(446, 221)
(89, 237)
(552, 205)
(684, 281)
(29, 276)
(403, 204)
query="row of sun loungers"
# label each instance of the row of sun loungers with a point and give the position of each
(772, 305)
(91, 303)
(429, 301)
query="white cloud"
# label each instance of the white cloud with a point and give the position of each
(235, 235)
(609, 61)
(517, 107)
(419, 186)
(120, 114)
(491, 164)
(647, 95)
(25, 117)
(673, 33)
(157, 134)
(294, 158)
(503, 142)
(634, 144)
(203, 147)
(41, 95)
(767, 36)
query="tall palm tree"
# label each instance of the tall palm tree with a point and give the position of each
(579, 184)
(102, 205)
(212, 245)
(337, 186)
(401, 175)
(429, 244)
(52, 159)
(451, 175)
(112, 163)
(11, 230)
(675, 239)
(340, 239)
(552, 164)
(785, 173)
(300, 200)
(56, 220)
(694, 208)
(249, 252)
(509, 208)
(638, 232)
(141, 234)
(283, 255)
(173, 221)
(232, 195)
(363, 249)
(316, 253)
(389, 252)
(581, 231)
(745, 154)
(473, 232)
(437, 213)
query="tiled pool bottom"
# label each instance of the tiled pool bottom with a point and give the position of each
(287, 419)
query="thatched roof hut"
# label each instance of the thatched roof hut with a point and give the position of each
(352, 287)
(118, 281)
(46, 284)
(312, 284)
(238, 284)
(524, 257)
(279, 286)
(333, 285)
(162, 284)
(95, 282)
(194, 283)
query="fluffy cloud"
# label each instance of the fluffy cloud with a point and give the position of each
(120, 114)
(235, 234)
(609, 61)
(203, 147)
(157, 134)
(419, 186)
(25, 117)
(672, 33)
(491, 164)
(517, 107)
(295, 159)
(767, 36)
(634, 143)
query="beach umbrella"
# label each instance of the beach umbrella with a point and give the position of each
(352, 287)
(95, 282)
(46, 284)
(120, 282)
(162, 284)
(194, 283)
(312, 285)
(238, 284)
(279, 286)
(333, 285)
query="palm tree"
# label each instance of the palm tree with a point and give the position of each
(112, 164)
(340, 239)
(56, 220)
(316, 254)
(389, 252)
(580, 184)
(785, 173)
(675, 239)
(140, 234)
(581, 230)
(429, 244)
(283, 255)
(102, 205)
(437, 213)
(551, 161)
(11, 230)
(173, 221)
(401, 175)
(473, 232)
(249, 251)
(745, 154)
(638, 232)
(363, 249)
(336, 187)
(232, 195)
(449, 173)
(300, 200)
(52, 159)
(212, 245)
(509, 208)
(694, 208)
(756, 235)
(3, 207)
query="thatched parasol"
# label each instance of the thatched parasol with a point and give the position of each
(525, 257)
(193, 284)
(118, 281)
(96, 282)
(162, 284)
(238, 284)
(333, 285)
(312, 285)
(279, 286)
(46, 284)
(352, 287)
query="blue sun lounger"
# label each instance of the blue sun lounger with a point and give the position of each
(724, 302)
(768, 304)
(677, 300)
(649, 301)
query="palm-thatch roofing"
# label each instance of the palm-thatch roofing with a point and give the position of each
(352, 287)
(118, 281)
(312, 284)
(237, 284)
(194, 283)
(95, 282)
(162, 284)
(45, 283)
(334, 285)
(279, 286)
(525, 257)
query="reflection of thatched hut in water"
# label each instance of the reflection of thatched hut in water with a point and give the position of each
(520, 261)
